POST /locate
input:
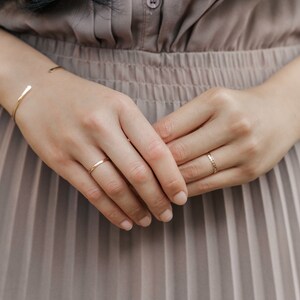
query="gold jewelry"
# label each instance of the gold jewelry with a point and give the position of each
(54, 69)
(97, 164)
(26, 91)
(213, 163)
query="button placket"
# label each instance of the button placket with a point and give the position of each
(153, 3)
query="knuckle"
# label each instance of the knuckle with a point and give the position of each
(60, 158)
(113, 215)
(250, 172)
(240, 125)
(69, 139)
(220, 96)
(136, 212)
(94, 121)
(123, 99)
(93, 195)
(251, 148)
(179, 151)
(173, 184)
(164, 128)
(159, 204)
(191, 172)
(204, 187)
(115, 188)
(124, 103)
(155, 150)
(139, 173)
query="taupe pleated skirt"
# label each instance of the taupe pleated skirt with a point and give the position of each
(237, 243)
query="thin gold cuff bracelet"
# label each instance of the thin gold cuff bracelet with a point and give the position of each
(54, 69)
(26, 91)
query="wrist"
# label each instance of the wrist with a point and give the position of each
(284, 85)
(286, 101)
(21, 65)
(15, 80)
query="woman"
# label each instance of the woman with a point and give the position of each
(218, 80)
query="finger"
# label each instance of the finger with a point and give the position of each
(211, 136)
(201, 167)
(118, 190)
(138, 173)
(114, 185)
(77, 176)
(184, 120)
(156, 154)
(223, 179)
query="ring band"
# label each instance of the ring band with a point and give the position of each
(97, 164)
(213, 163)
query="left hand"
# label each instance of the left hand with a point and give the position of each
(247, 132)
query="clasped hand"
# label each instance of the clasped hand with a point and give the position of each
(84, 122)
(246, 132)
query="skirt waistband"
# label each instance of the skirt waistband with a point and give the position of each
(164, 72)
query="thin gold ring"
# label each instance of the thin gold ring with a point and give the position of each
(213, 163)
(97, 164)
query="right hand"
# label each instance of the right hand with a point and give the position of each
(71, 123)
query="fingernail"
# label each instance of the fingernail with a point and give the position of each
(146, 221)
(166, 216)
(126, 225)
(180, 198)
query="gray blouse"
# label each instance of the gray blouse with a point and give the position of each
(168, 25)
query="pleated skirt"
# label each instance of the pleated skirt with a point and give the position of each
(236, 243)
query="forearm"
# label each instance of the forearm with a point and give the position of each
(20, 65)
(285, 85)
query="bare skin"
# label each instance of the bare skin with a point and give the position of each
(247, 132)
(71, 123)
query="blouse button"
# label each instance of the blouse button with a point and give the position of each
(153, 3)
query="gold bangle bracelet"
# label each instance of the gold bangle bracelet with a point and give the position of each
(26, 91)
(51, 70)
